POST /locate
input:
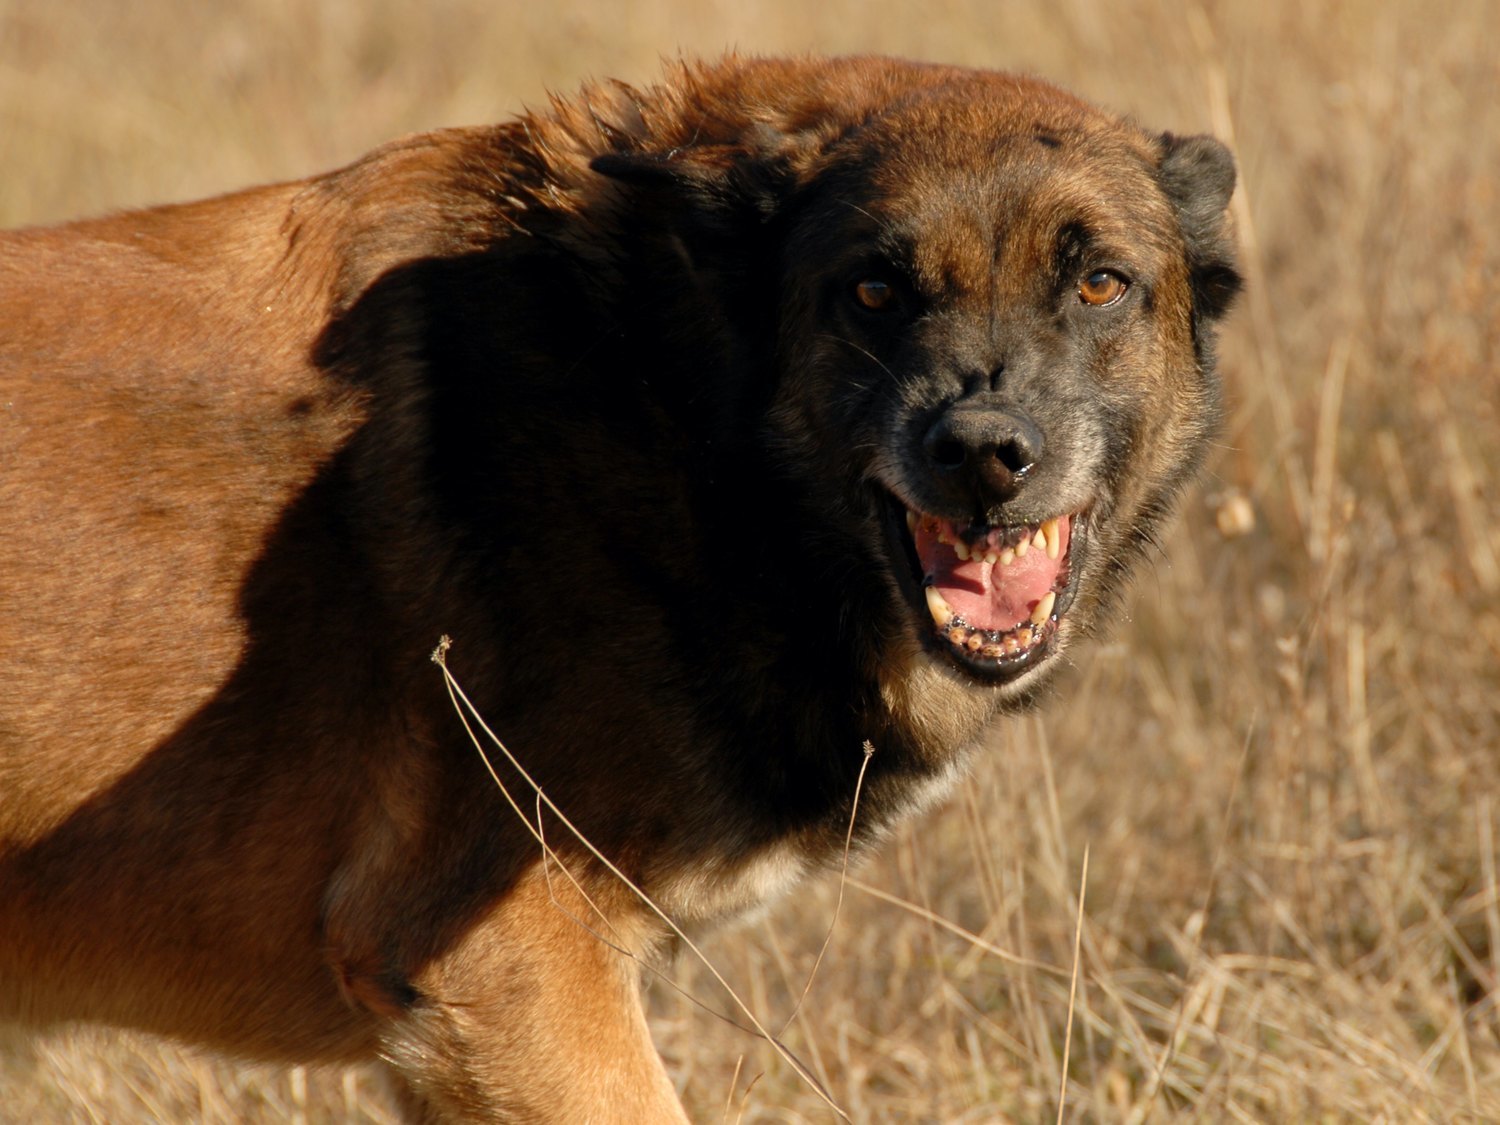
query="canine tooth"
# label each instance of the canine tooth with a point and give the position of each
(961, 549)
(1022, 547)
(1054, 538)
(937, 605)
(1043, 608)
(911, 521)
(1039, 539)
(1007, 557)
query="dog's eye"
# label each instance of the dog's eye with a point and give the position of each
(874, 295)
(1103, 287)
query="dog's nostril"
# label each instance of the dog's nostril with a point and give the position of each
(946, 453)
(1016, 455)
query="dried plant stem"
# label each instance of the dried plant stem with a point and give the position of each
(1062, 1085)
(467, 711)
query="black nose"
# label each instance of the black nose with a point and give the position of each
(982, 451)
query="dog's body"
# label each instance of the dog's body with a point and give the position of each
(709, 421)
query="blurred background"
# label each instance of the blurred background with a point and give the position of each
(1283, 767)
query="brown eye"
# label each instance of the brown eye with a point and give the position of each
(874, 295)
(1104, 287)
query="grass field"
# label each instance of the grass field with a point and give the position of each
(1284, 769)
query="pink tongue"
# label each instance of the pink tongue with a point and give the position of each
(987, 595)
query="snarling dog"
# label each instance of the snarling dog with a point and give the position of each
(726, 426)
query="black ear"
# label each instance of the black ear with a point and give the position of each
(1197, 174)
(752, 176)
(669, 172)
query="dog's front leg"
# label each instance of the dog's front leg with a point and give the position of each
(531, 1016)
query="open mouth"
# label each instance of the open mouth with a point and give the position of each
(996, 595)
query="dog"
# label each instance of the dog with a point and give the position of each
(726, 426)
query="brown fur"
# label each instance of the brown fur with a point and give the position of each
(582, 391)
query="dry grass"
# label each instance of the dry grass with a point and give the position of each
(1285, 768)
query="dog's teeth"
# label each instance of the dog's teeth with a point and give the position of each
(1043, 608)
(961, 549)
(991, 558)
(1022, 547)
(1024, 636)
(911, 521)
(941, 611)
(1007, 557)
(1039, 539)
(975, 642)
(1054, 538)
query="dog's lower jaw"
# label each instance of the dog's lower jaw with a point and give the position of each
(936, 704)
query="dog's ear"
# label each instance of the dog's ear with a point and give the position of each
(751, 177)
(1197, 174)
(710, 181)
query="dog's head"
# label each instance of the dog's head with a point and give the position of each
(992, 312)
